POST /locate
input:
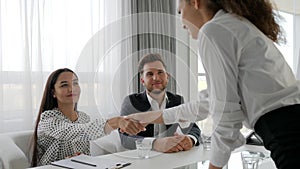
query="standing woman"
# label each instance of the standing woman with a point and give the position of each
(61, 130)
(248, 80)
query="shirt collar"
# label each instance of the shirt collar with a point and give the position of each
(152, 101)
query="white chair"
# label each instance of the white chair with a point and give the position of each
(14, 148)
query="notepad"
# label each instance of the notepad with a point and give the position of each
(87, 162)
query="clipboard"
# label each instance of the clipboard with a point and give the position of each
(89, 162)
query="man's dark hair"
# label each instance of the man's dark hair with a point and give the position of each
(151, 57)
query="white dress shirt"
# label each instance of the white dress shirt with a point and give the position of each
(247, 77)
(160, 129)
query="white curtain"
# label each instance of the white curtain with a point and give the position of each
(298, 67)
(297, 42)
(40, 36)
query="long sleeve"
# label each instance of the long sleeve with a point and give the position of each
(55, 125)
(59, 137)
(188, 112)
(192, 130)
(219, 51)
(221, 64)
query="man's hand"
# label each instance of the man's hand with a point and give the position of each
(173, 144)
(130, 126)
(168, 144)
(186, 142)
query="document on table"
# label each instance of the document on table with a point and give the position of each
(89, 162)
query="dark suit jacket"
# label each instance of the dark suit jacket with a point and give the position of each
(138, 102)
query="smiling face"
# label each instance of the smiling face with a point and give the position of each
(192, 15)
(154, 77)
(66, 89)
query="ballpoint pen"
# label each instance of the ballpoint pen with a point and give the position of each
(120, 165)
(61, 166)
(126, 164)
(82, 162)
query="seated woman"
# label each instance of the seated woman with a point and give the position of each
(61, 130)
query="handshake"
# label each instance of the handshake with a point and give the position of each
(137, 122)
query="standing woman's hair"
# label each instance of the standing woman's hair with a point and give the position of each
(48, 103)
(259, 12)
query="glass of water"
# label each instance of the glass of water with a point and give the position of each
(143, 148)
(206, 140)
(250, 159)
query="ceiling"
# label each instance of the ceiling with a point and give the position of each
(289, 6)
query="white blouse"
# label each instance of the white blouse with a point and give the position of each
(59, 137)
(247, 77)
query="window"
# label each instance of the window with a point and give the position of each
(38, 37)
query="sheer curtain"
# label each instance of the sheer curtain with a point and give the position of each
(298, 66)
(156, 33)
(37, 37)
(297, 37)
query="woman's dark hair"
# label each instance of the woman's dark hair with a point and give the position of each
(258, 12)
(48, 103)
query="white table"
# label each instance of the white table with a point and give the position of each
(174, 160)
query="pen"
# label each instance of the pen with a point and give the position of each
(126, 164)
(119, 165)
(60, 166)
(85, 163)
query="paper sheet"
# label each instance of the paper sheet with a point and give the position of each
(95, 163)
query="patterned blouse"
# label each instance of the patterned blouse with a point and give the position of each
(59, 137)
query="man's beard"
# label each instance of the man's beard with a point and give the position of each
(157, 91)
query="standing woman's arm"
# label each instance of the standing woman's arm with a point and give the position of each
(219, 50)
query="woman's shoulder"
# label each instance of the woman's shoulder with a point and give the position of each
(51, 113)
(83, 115)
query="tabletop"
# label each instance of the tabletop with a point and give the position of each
(184, 159)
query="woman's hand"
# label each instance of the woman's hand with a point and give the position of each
(130, 126)
(125, 124)
(148, 117)
(213, 167)
(75, 154)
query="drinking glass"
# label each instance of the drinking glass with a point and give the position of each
(143, 148)
(206, 140)
(250, 159)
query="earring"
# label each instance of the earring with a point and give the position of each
(54, 96)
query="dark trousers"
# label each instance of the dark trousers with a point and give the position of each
(280, 131)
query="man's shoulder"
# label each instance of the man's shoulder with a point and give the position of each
(136, 95)
(139, 101)
(142, 97)
(139, 98)
(172, 96)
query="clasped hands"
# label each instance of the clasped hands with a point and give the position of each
(173, 144)
(131, 126)
(135, 123)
